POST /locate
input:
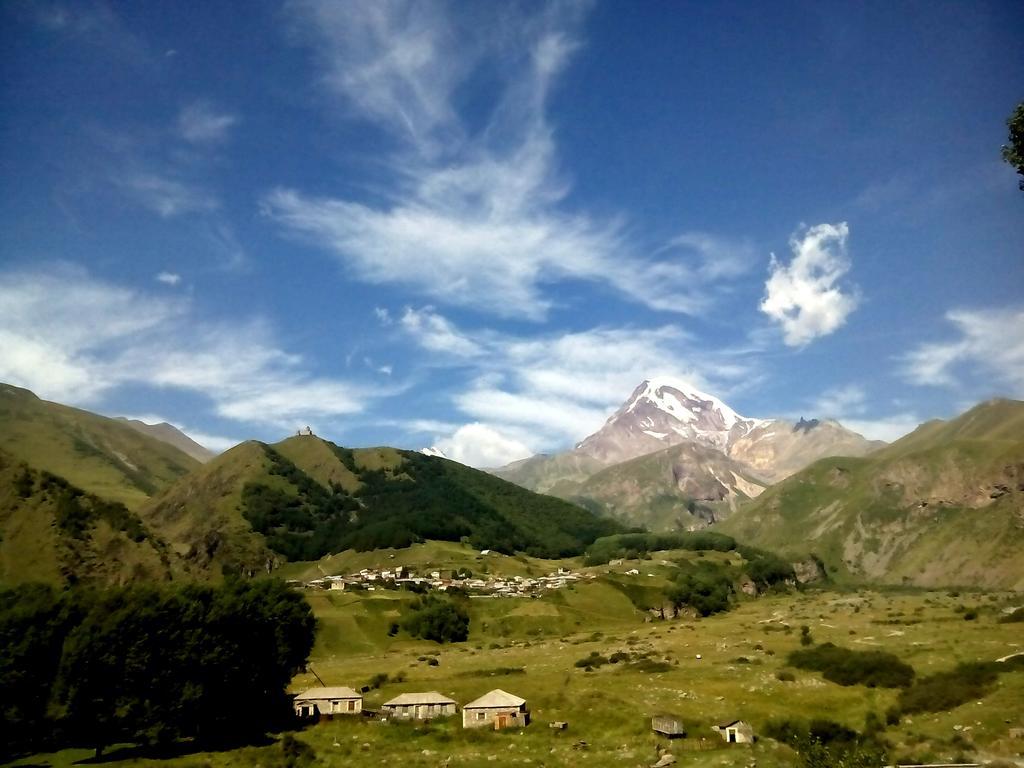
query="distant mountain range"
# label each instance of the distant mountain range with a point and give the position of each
(85, 497)
(675, 457)
(943, 505)
(88, 498)
(168, 433)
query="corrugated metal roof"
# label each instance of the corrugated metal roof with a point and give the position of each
(333, 692)
(430, 697)
(496, 698)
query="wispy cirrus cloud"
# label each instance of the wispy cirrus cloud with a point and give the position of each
(101, 336)
(986, 354)
(201, 123)
(477, 218)
(804, 296)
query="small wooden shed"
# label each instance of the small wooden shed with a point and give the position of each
(496, 709)
(419, 706)
(327, 702)
(735, 732)
(668, 725)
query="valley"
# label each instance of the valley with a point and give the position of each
(703, 671)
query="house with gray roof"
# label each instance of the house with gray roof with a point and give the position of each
(496, 709)
(419, 706)
(328, 702)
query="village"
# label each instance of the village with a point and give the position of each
(496, 710)
(462, 581)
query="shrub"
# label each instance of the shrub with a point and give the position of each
(848, 667)
(706, 590)
(785, 676)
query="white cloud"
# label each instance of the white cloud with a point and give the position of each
(989, 349)
(200, 123)
(168, 278)
(851, 406)
(804, 296)
(888, 428)
(436, 333)
(215, 443)
(547, 393)
(838, 402)
(73, 338)
(476, 219)
(165, 195)
(480, 445)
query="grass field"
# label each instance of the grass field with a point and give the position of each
(529, 647)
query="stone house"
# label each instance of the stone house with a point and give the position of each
(497, 709)
(327, 702)
(419, 706)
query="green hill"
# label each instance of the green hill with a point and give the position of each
(942, 506)
(257, 505)
(100, 455)
(53, 532)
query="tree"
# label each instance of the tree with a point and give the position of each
(706, 590)
(443, 621)
(1013, 153)
(155, 665)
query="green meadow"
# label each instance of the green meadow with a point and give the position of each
(708, 670)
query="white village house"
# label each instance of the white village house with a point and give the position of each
(497, 709)
(327, 702)
(735, 732)
(419, 706)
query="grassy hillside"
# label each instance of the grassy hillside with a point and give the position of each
(171, 435)
(53, 532)
(100, 455)
(257, 505)
(942, 506)
(682, 487)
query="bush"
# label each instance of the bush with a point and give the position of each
(433, 618)
(947, 690)
(1017, 615)
(785, 676)
(848, 667)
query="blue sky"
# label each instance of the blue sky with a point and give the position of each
(481, 225)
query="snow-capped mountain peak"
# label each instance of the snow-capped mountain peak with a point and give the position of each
(664, 393)
(662, 412)
(433, 451)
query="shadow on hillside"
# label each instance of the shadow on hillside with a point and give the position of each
(171, 751)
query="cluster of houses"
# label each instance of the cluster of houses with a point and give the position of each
(496, 709)
(400, 577)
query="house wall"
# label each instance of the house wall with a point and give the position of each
(330, 706)
(419, 711)
(486, 717)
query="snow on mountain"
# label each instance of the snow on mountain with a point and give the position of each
(663, 412)
(433, 451)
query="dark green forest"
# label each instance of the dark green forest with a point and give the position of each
(148, 665)
(427, 498)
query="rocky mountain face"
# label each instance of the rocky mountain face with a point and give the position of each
(660, 415)
(943, 505)
(774, 450)
(687, 486)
